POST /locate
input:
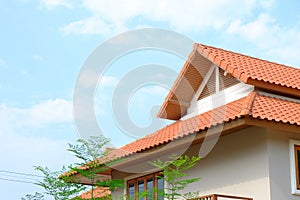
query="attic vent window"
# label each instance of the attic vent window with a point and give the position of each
(210, 87)
(215, 81)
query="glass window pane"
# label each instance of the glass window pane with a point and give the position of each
(160, 186)
(140, 189)
(298, 165)
(149, 188)
(131, 190)
(145, 188)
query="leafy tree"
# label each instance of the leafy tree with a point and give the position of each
(58, 188)
(66, 187)
(36, 196)
(173, 173)
(90, 152)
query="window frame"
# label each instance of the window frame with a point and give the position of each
(144, 178)
(295, 169)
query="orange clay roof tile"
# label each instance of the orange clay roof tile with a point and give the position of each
(253, 105)
(183, 128)
(276, 109)
(245, 67)
(99, 192)
(250, 70)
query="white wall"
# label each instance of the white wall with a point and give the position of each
(216, 100)
(238, 165)
(253, 162)
(279, 164)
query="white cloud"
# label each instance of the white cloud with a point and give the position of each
(253, 30)
(248, 19)
(115, 15)
(107, 81)
(41, 114)
(88, 79)
(51, 4)
(154, 90)
(51, 111)
(37, 57)
(277, 42)
(267, 4)
(92, 25)
(20, 153)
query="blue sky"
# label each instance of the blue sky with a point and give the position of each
(45, 42)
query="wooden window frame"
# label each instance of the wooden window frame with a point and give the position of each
(294, 168)
(144, 178)
(297, 148)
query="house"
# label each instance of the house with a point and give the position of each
(240, 114)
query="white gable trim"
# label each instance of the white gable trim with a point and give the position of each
(218, 99)
(279, 97)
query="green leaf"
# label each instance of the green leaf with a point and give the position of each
(173, 172)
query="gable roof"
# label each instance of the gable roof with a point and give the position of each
(260, 73)
(253, 106)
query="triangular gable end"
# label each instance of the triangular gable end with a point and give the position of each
(210, 70)
(217, 89)
(215, 81)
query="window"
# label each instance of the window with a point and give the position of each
(297, 162)
(295, 166)
(145, 184)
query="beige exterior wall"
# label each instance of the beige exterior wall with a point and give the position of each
(118, 194)
(238, 165)
(253, 162)
(279, 164)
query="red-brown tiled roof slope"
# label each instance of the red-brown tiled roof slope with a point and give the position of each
(183, 128)
(254, 106)
(262, 74)
(247, 67)
(99, 192)
(278, 110)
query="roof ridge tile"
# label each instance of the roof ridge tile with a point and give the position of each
(244, 55)
(250, 70)
(248, 103)
(221, 62)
